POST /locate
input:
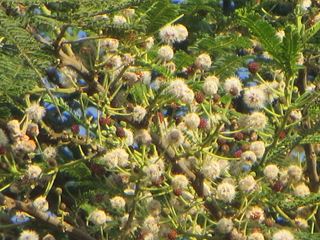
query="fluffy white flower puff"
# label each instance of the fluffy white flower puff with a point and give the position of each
(210, 85)
(28, 235)
(271, 172)
(33, 172)
(119, 20)
(14, 128)
(249, 156)
(98, 217)
(182, 32)
(41, 204)
(226, 192)
(295, 172)
(258, 148)
(138, 113)
(283, 235)
(154, 171)
(192, 121)
(301, 190)
(225, 225)
(118, 202)
(116, 157)
(211, 169)
(247, 184)
(254, 97)
(173, 33)
(233, 86)
(148, 43)
(174, 138)
(305, 4)
(256, 213)
(165, 53)
(180, 182)
(203, 62)
(49, 153)
(256, 120)
(111, 44)
(256, 236)
(180, 90)
(150, 225)
(35, 112)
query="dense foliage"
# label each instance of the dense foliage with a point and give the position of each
(158, 119)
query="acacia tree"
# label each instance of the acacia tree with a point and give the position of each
(159, 120)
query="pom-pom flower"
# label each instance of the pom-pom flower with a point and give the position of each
(138, 113)
(271, 172)
(256, 121)
(224, 225)
(174, 137)
(203, 62)
(33, 172)
(111, 44)
(192, 121)
(168, 34)
(118, 202)
(283, 235)
(258, 148)
(256, 214)
(254, 97)
(233, 86)
(295, 172)
(247, 184)
(98, 217)
(41, 203)
(165, 53)
(180, 182)
(119, 20)
(211, 169)
(210, 85)
(180, 90)
(35, 112)
(256, 236)
(301, 190)
(28, 235)
(116, 157)
(226, 192)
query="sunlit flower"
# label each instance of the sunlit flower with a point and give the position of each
(211, 85)
(118, 202)
(283, 235)
(35, 112)
(271, 171)
(203, 62)
(98, 217)
(119, 20)
(226, 192)
(233, 86)
(41, 204)
(224, 225)
(192, 120)
(180, 182)
(28, 235)
(254, 97)
(165, 53)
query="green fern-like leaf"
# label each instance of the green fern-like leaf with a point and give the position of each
(265, 33)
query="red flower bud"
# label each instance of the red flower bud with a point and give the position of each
(75, 128)
(254, 67)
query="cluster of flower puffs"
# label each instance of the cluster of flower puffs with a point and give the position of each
(191, 152)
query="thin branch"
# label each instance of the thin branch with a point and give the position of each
(51, 220)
